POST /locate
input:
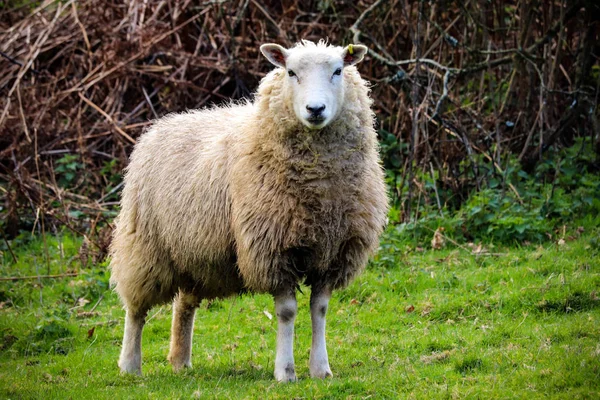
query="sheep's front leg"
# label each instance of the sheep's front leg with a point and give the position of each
(131, 353)
(286, 308)
(319, 362)
(182, 329)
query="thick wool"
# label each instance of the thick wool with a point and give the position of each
(244, 197)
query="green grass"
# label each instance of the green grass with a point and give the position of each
(431, 324)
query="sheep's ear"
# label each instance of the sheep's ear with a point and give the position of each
(353, 54)
(275, 54)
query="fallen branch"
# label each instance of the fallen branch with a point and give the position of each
(108, 117)
(14, 257)
(22, 278)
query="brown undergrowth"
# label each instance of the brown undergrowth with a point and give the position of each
(454, 83)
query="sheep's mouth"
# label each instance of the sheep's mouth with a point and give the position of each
(316, 121)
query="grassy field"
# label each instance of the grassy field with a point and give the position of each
(517, 323)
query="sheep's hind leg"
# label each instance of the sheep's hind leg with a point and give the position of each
(319, 362)
(286, 309)
(130, 360)
(182, 329)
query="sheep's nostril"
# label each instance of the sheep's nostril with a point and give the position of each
(316, 110)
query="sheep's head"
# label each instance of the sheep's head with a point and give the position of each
(314, 78)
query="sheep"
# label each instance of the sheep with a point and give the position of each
(256, 196)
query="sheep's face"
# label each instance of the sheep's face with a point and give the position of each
(314, 80)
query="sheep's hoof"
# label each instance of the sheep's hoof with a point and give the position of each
(321, 372)
(181, 366)
(131, 369)
(179, 363)
(287, 374)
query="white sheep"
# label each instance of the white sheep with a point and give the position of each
(258, 196)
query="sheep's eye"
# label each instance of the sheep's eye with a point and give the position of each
(291, 73)
(338, 71)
